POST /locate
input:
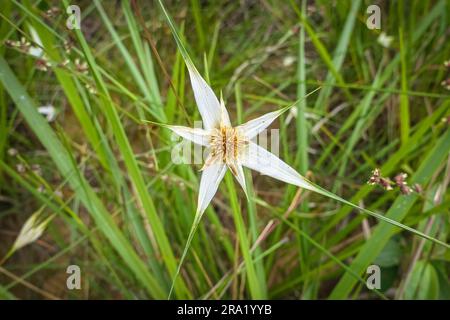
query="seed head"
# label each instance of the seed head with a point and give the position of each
(417, 188)
(377, 179)
(31, 231)
(400, 181)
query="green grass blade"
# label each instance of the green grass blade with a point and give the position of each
(389, 166)
(255, 290)
(404, 99)
(302, 130)
(155, 105)
(133, 168)
(338, 56)
(398, 211)
(252, 210)
(84, 192)
(321, 49)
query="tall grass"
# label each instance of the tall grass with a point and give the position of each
(123, 210)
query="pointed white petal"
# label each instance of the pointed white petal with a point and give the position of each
(261, 160)
(210, 159)
(48, 111)
(291, 115)
(251, 128)
(207, 102)
(224, 117)
(32, 230)
(36, 51)
(238, 173)
(211, 177)
(196, 135)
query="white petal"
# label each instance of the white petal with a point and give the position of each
(36, 51)
(385, 40)
(207, 102)
(33, 228)
(238, 173)
(211, 177)
(48, 111)
(261, 160)
(196, 135)
(251, 128)
(224, 117)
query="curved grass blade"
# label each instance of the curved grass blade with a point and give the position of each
(77, 182)
(398, 211)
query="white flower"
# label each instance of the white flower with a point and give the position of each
(288, 61)
(31, 231)
(48, 111)
(231, 147)
(385, 40)
(36, 51)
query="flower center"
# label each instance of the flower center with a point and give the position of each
(226, 143)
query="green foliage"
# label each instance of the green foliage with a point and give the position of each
(123, 211)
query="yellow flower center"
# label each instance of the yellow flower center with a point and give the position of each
(226, 144)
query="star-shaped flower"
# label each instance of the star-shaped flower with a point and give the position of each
(231, 147)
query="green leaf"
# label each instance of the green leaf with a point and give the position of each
(423, 282)
(391, 254)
